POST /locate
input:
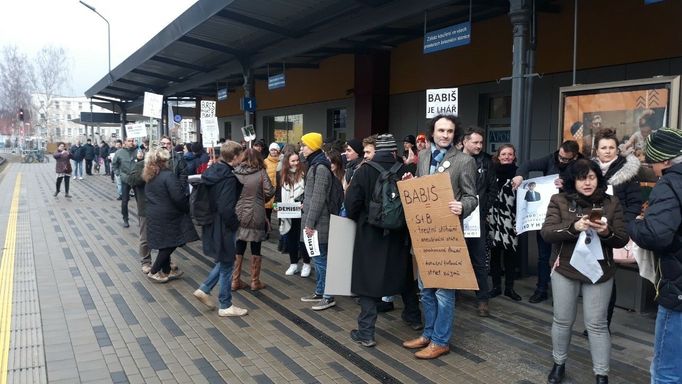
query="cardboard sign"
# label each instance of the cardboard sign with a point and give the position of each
(437, 239)
(340, 256)
(288, 210)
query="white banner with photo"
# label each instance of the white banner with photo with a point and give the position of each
(532, 200)
(472, 223)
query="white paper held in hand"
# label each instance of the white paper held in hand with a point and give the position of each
(312, 244)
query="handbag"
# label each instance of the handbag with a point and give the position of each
(625, 255)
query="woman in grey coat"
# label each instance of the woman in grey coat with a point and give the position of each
(253, 224)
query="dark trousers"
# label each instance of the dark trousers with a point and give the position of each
(125, 197)
(107, 166)
(255, 247)
(66, 184)
(510, 260)
(544, 253)
(296, 248)
(162, 262)
(411, 312)
(111, 173)
(479, 260)
(88, 167)
(368, 317)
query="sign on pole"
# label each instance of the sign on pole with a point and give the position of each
(441, 101)
(249, 133)
(153, 105)
(209, 131)
(437, 239)
(207, 109)
(136, 130)
(448, 37)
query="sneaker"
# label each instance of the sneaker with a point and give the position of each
(175, 274)
(80, 178)
(158, 277)
(232, 311)
(312, 298)
(67, 196)
(205, 298)
(324, 304)
(146, 268)
(56, 193)
(305, 271)
(293, 269)
(355, 336)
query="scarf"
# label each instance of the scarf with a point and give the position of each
(505, 172)
(437, 155)
(605, 166)
(595, 200)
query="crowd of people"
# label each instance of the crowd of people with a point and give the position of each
(244, 184)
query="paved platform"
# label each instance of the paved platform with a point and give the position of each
(82, 312)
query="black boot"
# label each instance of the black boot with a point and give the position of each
(557, 374)
(511, 293)
(496, 291)
(537, 297)
(601, 379)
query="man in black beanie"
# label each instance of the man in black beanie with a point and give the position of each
(353, 159)
(660, 230)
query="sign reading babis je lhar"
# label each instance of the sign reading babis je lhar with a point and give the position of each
(436, 233)
(442, 101)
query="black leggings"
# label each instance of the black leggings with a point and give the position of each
(66, 183)
(163, 260)
(294, 246)
(510, 260)
(255, 247)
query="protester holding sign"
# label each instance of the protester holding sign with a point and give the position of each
(582, 215)
(291, 183)
(382, 264)
(443, 157)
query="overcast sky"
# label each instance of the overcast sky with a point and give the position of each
(32, 24)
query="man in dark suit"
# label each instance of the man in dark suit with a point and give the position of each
(531, 195)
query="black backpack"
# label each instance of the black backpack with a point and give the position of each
(385, 208)
(200, 207)
(335, 198)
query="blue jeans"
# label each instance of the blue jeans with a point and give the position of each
(666, 366)
(438, 306)
(321, 270)
(221, 272)
(77, 168)
(544, 253)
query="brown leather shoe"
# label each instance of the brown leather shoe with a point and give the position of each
(432, 351)
(419, 342)
(483, 310)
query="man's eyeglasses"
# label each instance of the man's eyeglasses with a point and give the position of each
(164, 143)
(565, 159)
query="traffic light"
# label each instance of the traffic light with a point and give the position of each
(21, 114)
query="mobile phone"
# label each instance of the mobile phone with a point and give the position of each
(596, 214)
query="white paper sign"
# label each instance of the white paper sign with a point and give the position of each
(472, 223)
(532, 200)
(289, 210)
(207, 108)
(312, 244)
(153, 105)
(209, 131)
(442, 101)
(586, 255)
(136, 130)
(340, 256)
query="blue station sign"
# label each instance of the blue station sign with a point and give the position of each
(448, 37)
(222, 94)
(276, 81)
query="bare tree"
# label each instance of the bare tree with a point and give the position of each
(52, 74)
(16, 86)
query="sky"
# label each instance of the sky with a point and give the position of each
(33, 24)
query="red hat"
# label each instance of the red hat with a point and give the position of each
(421, 137)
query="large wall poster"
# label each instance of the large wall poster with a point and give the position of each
(633, 108)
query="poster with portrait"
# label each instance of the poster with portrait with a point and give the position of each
(633, 109)
(532, 200)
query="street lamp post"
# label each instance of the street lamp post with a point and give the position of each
(108, 34)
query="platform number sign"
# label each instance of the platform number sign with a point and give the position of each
(249, 104)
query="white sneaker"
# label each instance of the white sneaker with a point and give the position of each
(305, 271)
(204, 298)
(80, 178)
(232, 311)
(293, 269)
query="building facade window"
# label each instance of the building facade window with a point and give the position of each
(285, 129)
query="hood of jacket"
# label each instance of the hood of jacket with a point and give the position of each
(217, 172)
(243, 169)
(626, 168)
(189, 155)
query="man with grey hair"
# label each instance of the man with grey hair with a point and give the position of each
(660, 230)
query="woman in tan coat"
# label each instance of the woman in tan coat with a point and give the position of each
(253, 225)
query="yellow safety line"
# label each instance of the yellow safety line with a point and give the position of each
(7, 281)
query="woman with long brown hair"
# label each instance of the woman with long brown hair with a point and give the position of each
(253, 225)
(292, 183)
(167, 208)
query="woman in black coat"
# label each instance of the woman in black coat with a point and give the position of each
(219, 237)
(167, 207)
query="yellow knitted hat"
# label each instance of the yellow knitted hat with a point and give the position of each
(312, 140)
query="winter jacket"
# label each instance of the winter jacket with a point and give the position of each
(62, 162)
(179, 168)
(271, 169)
(77, 152)
(501, 218)
(136, 181)
(218, 238)
(661, 232)
(88, 151)
(486, 183)
(623, 176)
(253, 225)
(382, 264)
(191, 166)
(462, 171)
(559, 230)
(104, 151)
(123, 163)
(167, 210)
(315, 211)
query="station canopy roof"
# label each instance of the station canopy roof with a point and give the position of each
(206, 47)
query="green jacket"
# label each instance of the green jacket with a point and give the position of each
(123, 163)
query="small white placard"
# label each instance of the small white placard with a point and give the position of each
(312, 244)
(442, 101)
(136, 130)
(209, 131)
(207, 108)
(289, 210)
(153, 105)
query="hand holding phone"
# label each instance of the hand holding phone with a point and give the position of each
(596, 214)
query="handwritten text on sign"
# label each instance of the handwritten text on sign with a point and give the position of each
(437, 239)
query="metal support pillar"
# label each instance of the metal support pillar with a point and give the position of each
(124, 117)
(248, 87)
(519, 16)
